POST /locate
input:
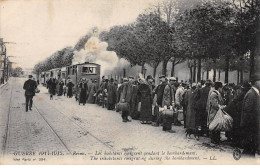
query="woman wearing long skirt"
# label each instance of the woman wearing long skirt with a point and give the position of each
(70, 86)
(145, 97)
(83, 87)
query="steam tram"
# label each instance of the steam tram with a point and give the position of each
(90, 71)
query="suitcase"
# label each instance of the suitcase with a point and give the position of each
(167, 116)
(123, 107)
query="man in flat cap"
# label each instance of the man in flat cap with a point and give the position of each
(29, 86)
(250, 118)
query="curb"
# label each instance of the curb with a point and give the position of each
(3, 84)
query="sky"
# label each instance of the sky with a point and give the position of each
(41, 27)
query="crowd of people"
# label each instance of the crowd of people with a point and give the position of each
(172, 102)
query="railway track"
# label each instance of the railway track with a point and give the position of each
(59, 138)
(82, 128)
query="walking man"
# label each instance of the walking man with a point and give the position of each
(29, 87)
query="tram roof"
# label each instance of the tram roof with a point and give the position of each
(85, 64)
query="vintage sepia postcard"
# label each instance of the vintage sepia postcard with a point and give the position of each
(129, 82)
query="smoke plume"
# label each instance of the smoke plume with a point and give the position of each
(95, 51)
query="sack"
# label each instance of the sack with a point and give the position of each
(221, 122)
(37, 90)
(123, 107)
(139, 107)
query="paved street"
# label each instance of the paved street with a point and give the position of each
(61, 131)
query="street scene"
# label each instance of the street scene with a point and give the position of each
(130, 82)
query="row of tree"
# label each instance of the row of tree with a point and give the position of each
(210, 34)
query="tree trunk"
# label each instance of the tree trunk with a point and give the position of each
(173, 66)
(164, 67)
(214, 71)
(190, 73)
(154, 71)
(194, 71)
(219, 72)
(238, 79)
(252, 64)
(124, 73)
(226, 69)
(207, 75)
(241, 76)
(199, 70)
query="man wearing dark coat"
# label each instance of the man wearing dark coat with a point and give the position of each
(70, 85)
(250, 118)
(125, 97)
(29, 87)
(111, 95)
(200, 106)
(234, 109)
(159, 91)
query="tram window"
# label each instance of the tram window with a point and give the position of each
(89, 70)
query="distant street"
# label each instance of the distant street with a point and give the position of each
(60, 128)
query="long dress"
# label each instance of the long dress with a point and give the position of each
(111, 96)
(191, 112)
(61, 84)
(51, 86)
(134, 113)
(92, 89)
(83, 93)
(145, 97)
(70, 85)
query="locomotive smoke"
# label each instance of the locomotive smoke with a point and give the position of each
(96, 52)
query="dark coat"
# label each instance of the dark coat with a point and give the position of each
(111, 93)
(159, 91)
(83, 92)
(52, 86)
(29, 87)
(200, 106)
(190, 98)
(70, 85)
(145, 97)
(61, 84)
(250, 120)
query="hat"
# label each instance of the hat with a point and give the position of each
(149, 77)
(30, 76)
(130, 77)
(69, 80)
(218, 84)
(125, 79)
(246, 84)
(111, 80)
(162, 76)
(172, 78)
(256, 77)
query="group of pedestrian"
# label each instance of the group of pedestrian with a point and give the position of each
(60, 87)
(193, 105)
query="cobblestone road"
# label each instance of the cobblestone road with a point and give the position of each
(61, 131)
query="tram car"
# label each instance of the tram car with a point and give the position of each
(90, 71)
